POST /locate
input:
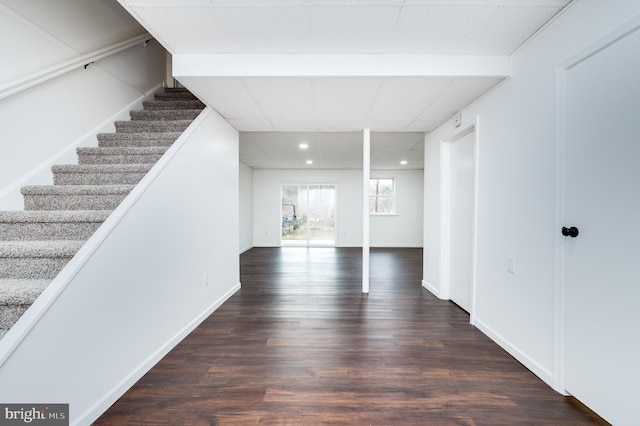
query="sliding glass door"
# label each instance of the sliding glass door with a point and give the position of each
(308, 214)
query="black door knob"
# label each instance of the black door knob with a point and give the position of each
(570, 232)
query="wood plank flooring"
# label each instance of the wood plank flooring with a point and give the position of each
(300, 344)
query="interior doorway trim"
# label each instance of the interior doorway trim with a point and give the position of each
(445, 213)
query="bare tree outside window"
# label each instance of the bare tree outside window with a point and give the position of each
(382, 196)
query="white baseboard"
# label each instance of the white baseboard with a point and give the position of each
(97, 409)
(431, 288)
(544, 374)
(247, 248)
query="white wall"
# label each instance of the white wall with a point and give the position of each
(246, 207)
(516, 208)
(49, 120)
(138, 286)
(266, 203)
(405, 228)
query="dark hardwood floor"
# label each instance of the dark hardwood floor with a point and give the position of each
(300, 344)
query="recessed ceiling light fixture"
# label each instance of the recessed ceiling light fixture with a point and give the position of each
(309, 161)
(303, 146)
(403, 162)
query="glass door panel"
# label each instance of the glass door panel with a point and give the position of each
(308, 214)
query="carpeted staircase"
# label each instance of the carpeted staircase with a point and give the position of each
(35, 244)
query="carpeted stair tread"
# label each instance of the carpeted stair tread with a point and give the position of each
(74, 197)
(137, 139)
(122, 150)
(100, 174)
(47, 216)
(164, 115)
(76, 189)
(121, 155)
(101, 168)
(16, 295)
(174, 95)
(39, 241)
(21, 291)
(152, 126)
(29, 225)
(36, 259)
(172, 104)
(39, 249)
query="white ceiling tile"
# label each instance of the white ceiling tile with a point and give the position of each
(441, 110)
(388, 125)
(421, 89)
(251, 28)
(240, 110)
(424, 125)
(251, 125)
(348, 89)
(467, 89)
(170, 23)
(368, 28)
(341, 125)
(492, 29)
(396, 110)
(280, 89)
(342, 110)
(293, 125)
(214, 90)
(288, 111)
(167, 2)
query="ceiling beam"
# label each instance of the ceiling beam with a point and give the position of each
(341, 66)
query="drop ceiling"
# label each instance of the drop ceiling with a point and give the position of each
(332, 68)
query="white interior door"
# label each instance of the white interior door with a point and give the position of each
(602, 269)
(461, 222)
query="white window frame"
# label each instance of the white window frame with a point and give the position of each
(392, 197)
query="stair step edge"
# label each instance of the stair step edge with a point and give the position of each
(40, 249)
(54, 216)
(139, 136)
(21, 291)
(76, 189)
(144, 150)
(101, 168)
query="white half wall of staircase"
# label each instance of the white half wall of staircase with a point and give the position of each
(138, 286)
(43, 124)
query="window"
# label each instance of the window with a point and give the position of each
(382, 196)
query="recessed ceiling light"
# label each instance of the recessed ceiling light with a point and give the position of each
(403, 162)
(309, 161)
(303, 146)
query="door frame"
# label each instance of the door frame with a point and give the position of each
(559, 301)
(335, 225)
(445, 213)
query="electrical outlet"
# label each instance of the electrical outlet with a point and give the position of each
(206, 279)
(511, 265)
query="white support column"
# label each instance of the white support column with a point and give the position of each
(366, 174)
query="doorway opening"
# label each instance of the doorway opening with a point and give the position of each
(308, 214)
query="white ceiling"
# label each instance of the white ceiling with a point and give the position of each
(333, 68)
(331, 150)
